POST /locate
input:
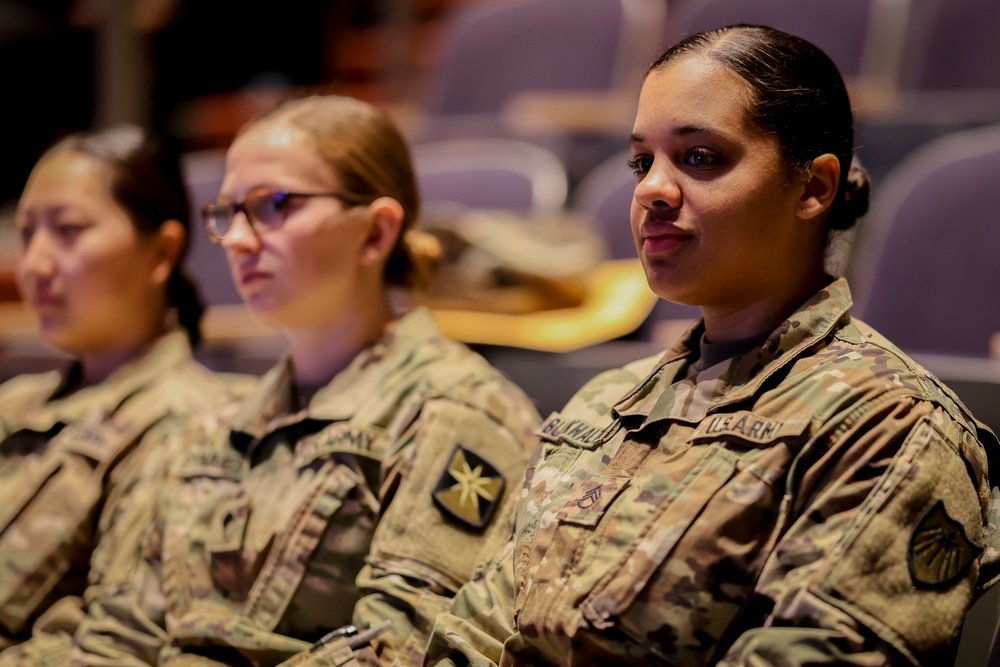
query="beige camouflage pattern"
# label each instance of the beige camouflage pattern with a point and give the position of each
(759, 512)
(62, 452)
(278, 523)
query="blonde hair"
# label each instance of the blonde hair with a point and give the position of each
(370, 158)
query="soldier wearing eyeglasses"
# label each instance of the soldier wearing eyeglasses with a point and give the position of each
(370, 469)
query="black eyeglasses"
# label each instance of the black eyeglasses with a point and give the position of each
(265, 210)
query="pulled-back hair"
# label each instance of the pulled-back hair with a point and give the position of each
(370, 158)
(146, 181)
(798, 95)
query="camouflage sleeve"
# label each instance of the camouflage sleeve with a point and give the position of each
(880, 561)
(480, 619)
(447, 502)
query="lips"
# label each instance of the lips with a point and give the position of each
(659, 239)
(250, 277)
(42, 300)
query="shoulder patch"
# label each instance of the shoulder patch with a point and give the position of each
(469, 488)
(940, 551)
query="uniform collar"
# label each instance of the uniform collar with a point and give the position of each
(274, 404)
(671, 391)
(63, 405)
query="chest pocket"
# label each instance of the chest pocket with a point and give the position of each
(667, 523)
(46, 520)
(204, 513)
(307, 582)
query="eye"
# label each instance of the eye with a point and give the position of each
(701, 158)
(68, 231)
(26, 231)
(640, 165)
(278, 201)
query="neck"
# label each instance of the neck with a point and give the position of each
(99, 365)
(763, 315)
(320, 353)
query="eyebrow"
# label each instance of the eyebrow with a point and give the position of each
(683, 131)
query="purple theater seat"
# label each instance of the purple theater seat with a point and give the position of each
(928, 276)
(839, 27)
(491, 173)
(604, 196)
(953, 45)
(497, 49)
(206, 261)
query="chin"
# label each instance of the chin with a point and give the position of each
(668, 288)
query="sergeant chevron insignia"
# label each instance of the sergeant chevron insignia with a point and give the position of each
(469, 488)
(939, 549)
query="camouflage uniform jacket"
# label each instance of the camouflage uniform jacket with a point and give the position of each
(281, 523)
(818, 500)
(61, 452)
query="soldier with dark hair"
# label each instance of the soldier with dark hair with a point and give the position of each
(104, 224)
(783, 486)
(369, 470)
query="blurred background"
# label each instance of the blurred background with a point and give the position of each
(519, 113)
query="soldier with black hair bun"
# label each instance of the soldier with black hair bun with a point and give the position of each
(781, 487)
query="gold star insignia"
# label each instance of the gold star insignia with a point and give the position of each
(469, 489)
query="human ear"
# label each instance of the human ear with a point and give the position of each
(386, 221)
(820, 188)
(167, 245)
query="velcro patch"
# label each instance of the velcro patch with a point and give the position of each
(747, 426)
(469, 489)
(940, 551)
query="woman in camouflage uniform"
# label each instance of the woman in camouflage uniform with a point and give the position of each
(783, 486)
(370, 469)
(104, 228)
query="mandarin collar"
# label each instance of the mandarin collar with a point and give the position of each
(274, 402)
(65, 405)
(739, 378)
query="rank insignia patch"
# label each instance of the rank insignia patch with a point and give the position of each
(939, 549)
(469, 488)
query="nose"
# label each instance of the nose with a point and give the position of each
(37, 259)
(241, 236)
(659, 187)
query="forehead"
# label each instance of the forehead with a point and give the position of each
(69, 178)
(275, 154)
(693, 93)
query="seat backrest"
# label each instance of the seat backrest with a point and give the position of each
(604, 196)
(206, 261)
(839, 27)
(927, 270)
(491, 173)
(952, 45)
(494, 50)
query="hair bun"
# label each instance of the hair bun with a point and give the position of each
(858, 189)
(417, 260)
(854, 200)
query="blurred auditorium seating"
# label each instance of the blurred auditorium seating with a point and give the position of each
(206, 262)
(952, 48)
(563, 73)
(863, 37)
(926, 268)
(491, 173)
